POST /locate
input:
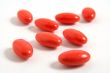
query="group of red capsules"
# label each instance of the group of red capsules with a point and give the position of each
(47, 38)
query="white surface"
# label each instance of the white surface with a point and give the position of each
(43, 60)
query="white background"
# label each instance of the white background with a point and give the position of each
(44, 60)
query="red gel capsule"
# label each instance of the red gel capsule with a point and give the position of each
(75, 37)
(74, 58)
(46, 24)
(25, 16)
(67, 18)
(88, 14)
(48, 39)
(22, 49)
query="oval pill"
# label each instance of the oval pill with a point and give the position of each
(75, 37)
(88, 14)
(74, 57)
(25, 16)
(67, 18)
(46, 24)
(48, 39)
(22, 49)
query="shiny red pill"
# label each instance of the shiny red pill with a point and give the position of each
(75, 37)
(48, 39)
(22, 49)
(88, 14)
(25, 16)
(74, 58)
(46, 24)
(67, 18)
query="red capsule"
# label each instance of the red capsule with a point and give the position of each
(75, 37)
(67, 18)
(22, 49)
(46, 24)
(25, 16)
(48, 39)
(74, 57)
(88, 14)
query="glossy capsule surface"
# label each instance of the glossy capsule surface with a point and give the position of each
(74, 58)
(22, 49)
(25, 16)
(67, 18)
(75, 36)
(46, 24)
(88, 14)
(48, 39)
